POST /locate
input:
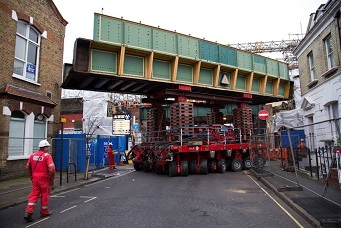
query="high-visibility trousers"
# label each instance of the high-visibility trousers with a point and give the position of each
(40, 187)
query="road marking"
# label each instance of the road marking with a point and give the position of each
(68, 209)
(89, 198)
(106, 179)
(68, 191)
(278, 204)
(38, 222)
(57, 196)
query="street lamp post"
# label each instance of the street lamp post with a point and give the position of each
(62, 121)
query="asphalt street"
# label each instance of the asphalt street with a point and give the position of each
(139, 199)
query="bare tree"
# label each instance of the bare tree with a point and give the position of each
(91, 125)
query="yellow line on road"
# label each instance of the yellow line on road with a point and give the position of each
(278, 204)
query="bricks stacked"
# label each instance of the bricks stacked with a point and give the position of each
(156, 122)
(215, 118)
(182, 115)
(242, 119)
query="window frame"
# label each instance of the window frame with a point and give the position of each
(37, 136)
(14, 139)
(311, 66)
(29, 139)
(328, 42)
(28, 42)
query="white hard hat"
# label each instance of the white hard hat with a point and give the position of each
(110, 144)
(44, 143)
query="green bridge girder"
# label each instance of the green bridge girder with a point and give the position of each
(129, 57)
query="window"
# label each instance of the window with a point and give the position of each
(27, 46)
(311, 66)
(25, 133)
(16, 134)
(329, 51)
(39, 132)
(78, 125)
(334, 114)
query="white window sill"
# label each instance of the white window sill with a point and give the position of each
(24, 79)
(312, 83)
(329, 72)
(21, 157)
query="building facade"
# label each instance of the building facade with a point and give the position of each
(319, 62)
(31, 63)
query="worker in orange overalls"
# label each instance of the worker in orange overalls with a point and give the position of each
(41, 168)
(301, 144)
(111, 157)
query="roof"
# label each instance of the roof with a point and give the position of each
(57, 13)
(22, 93)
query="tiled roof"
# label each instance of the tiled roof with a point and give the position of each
(33, 96)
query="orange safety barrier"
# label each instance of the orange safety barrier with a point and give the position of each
(285, 156)
(275, 153)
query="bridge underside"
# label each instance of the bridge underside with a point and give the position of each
(157, 91)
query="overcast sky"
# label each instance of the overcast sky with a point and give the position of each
(224, 21)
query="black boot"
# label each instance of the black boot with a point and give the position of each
(28, 217)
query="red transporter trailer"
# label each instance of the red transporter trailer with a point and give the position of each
(215, 149)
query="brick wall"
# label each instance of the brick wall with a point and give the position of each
(51, 49)
(45, 18)
(13, 169)
(72, 105)
(318, 49)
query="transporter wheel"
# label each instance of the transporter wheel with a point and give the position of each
(145, 166)
(193, 167)
(210, 166)
(247, 164)
(221, 166)
(172, 169)
(158, 168)
(184, 168)
(137, 166)
(236, 165)
(203, 167)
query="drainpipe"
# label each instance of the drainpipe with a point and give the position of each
(337, 17)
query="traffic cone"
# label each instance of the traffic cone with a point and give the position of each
(121, 160)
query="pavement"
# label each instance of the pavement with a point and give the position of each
(14, 192)
(306, 195)
(318, 203)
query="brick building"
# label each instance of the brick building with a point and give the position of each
(31, 50)
(319, 60)
(72, 111)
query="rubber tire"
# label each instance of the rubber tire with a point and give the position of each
(193, 167)
(221, 166)
(210, 166)
(158, 168)
(236, 165)
(172, 169)
(203, 167)
(184, 168)
(247, 164)
(137, 166)
(145, 166)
